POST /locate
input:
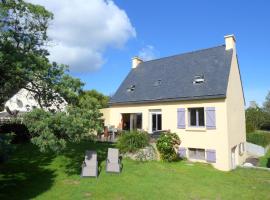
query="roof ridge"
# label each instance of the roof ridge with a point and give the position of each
(195, 51)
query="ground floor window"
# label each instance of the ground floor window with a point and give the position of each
(241, 148)
(131, 121)
(196, 153)
(155, 120)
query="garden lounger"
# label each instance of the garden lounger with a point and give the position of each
(113, 163)
(90, 164)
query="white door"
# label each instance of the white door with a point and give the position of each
(233, 157)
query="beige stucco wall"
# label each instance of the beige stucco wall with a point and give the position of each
(235, 111)
(191, 137)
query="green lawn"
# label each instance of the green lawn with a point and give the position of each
(31, 175)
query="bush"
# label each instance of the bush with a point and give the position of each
(132, 141)
(167, 145)
(5, 146)
(249, 127)
(259, 137)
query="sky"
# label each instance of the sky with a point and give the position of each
(98, 38)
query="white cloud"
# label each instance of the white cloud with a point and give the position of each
(83, 29)
(148, 53)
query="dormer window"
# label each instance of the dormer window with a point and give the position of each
(198, 79)
(157, 83)
(131, 88)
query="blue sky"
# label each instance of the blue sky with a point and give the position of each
(165, 28)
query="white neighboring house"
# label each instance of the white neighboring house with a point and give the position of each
(25, 101)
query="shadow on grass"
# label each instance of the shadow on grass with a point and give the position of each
(28, 172)
(76, 152)
(268, 163)
(24, 176)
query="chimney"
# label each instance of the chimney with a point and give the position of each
(136, 61)
(230, 42)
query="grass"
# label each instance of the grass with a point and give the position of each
(259, 137)
(265, 160)
(31, 175)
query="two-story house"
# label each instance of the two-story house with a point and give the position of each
(197, 95)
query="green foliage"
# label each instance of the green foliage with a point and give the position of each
(132, 141)
(255, 118)
(261, 138)
(265, 160)
(249, 127)
(266, 104)
(51, 131)
(93, 98)
(5, 145)
(166, 144)
(24, 57)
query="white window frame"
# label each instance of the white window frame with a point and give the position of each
(197, 117)
(152, 112)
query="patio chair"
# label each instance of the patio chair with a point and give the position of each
(90, 164)
(113, 163)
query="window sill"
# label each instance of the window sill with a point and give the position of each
(199, 129)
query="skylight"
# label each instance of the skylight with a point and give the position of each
(157, 83)
(131, 88)
(198, 79)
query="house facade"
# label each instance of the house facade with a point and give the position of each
(197, 95)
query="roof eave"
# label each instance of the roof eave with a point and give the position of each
(218, 96)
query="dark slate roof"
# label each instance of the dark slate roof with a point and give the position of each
(176, 75)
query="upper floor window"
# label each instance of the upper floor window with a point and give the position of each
(196, 116)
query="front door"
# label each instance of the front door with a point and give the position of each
(156, 121)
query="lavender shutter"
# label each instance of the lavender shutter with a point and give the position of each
(182, 152)
(211, 155)
(181, 121)
(210, 118)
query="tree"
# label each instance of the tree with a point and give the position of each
(255, 117)
(23, 56)
(24, 63)
(266, 108)
(51, 131)
(90, 98)
(266, 104)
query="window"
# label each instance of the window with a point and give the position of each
(196, 153)
(199, 79)
(241, 148)
(139, 121)
(196, 116)
(131, 88)
(157, 83)
(19, 103)
(155, 120)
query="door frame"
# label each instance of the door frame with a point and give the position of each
(151, 113)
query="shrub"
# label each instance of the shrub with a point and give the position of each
(167, 145)
(132, 141)
(249, 127)
(259, 137)
(5, 146)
